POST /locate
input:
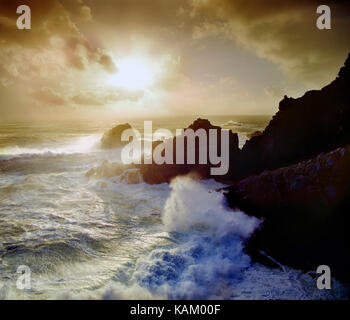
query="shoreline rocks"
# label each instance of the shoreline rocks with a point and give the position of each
(305, 208)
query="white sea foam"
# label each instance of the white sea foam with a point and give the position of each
(206, 258)
(208, 252)
(80, 145)
(191, 204)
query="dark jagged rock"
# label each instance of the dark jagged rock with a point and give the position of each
(305, 208)
(290, 177)
(317, 122)
(154, 173)
(112, 138)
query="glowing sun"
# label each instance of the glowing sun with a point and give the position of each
(134, 73)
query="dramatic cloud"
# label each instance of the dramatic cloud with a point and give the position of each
(184, 56)
(48, 52)
(284, 32)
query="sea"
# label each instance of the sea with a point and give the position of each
(87, 238)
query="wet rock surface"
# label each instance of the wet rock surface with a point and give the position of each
(305, 212)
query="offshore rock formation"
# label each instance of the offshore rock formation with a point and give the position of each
(112, 138)
(305, 208)
(154, 173)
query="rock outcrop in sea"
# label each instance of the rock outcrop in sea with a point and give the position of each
(154, 173)
(112, 138)
(159, 173)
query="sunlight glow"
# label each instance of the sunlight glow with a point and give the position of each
(134, 73)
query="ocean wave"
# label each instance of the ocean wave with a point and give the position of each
(211, 245)
(206, 258)
(140, 241)
(81, 145)
(208, 246)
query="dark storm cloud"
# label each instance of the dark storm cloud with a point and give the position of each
(283, 31)
(51, 19)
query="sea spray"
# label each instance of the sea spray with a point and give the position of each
(208, 256)
(79, 145)
(191, 204)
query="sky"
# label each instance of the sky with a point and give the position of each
(88, 59)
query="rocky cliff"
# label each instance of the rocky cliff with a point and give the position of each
(319, 121)
(305, 208)
(295, 182)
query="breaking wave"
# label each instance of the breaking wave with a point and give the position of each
(81, 145)
(205, 258)
(206, 253)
